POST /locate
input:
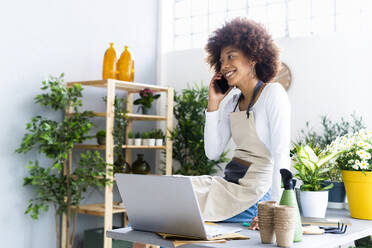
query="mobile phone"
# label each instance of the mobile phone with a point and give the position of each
(222, 85)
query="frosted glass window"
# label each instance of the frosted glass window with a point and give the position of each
(182, 26)
(199, 40)
(182, 8)
(324, 24)
(236, 13)
(216, 21)
(322, 7)
(348, 22)
(252, 3)
(277, 29)
(299, 9)
(299, 27)
(217, 5)
(258, 14)
(182, 42)
(237, 4)
(276, 12)
(347, 6)
(199, 24)
(199, 7)
(194, 20)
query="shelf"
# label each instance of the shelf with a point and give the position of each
(131, 116)
(98, 209)
(103, 147)
(122, 85)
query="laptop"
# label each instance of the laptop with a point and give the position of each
(165, 204)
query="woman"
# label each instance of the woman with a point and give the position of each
(257, 118)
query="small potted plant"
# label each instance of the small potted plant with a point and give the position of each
(355, 162)
(151, 138)
(145, 101)
(130, 138)
(337, 194)
(137, 139)
(159, 137)
(145, 138)
(312, 172)
(101, 137)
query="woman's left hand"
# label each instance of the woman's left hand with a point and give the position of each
(254, 224)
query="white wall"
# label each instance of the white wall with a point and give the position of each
(44, 37)
(331, 75)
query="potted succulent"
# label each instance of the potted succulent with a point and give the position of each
(312, 172)
(159, 137)
(145, 138)
(101, 137)
(137, 139)
(151, 138)
(130, 138)
(355, 162)
(145, 101)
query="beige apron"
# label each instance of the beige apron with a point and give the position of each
(219, 199)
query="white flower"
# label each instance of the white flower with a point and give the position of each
(364, 165)
(367, 155)
(361, 153)
(357, 162)
(351, 161)
(355, 167)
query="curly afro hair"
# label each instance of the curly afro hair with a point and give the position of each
(251, 38)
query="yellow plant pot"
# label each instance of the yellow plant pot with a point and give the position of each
(359, 193)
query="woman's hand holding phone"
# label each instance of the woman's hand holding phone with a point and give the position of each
(215, 94)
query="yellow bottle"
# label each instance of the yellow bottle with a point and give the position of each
(125, 65)
(109, 63)
(132, 72)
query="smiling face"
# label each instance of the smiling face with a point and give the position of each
(235, 66)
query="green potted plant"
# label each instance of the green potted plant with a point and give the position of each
(330, 130)
(188, 135)
(355, 162)
(55, 139)
(101, 137)
(145, 138)
(147, 96)
(130, 138)
(159, 137)
(151, 138)
(137, 139)
(312, 172)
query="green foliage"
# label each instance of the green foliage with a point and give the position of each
(55, 139)
(311, 170)
(329, 132)
(145, 135)
(130, 135)
(158, 134)
(188, 135)
(137, 135)
(146, 98)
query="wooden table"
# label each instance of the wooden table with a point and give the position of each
(359, 229)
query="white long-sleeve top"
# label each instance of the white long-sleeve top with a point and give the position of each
(272, 115)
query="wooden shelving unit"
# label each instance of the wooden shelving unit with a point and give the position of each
(108, 208)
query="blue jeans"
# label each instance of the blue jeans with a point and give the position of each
(250, 213)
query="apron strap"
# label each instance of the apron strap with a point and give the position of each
(255, 92)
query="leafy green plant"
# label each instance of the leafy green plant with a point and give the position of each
(145, 135)
(55, 139)
(188, 135)
(147, 96)
(330, 130)
(158, 134)
(311, 170)
(101, 137)
(137, 135)
(130, 135)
